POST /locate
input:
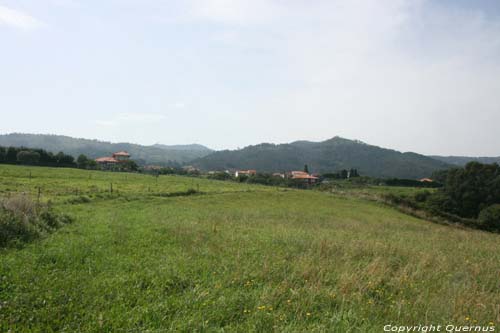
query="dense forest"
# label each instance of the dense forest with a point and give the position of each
(324, 157)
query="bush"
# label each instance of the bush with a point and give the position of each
(22, 220)
(489, 218)
(79, 199)
(422, 196)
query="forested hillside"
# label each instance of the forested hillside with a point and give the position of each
(327, 156)
(463, 160)
(157, 154)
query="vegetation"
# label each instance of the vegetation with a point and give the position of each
(463, 160)
(40, 157)
(157, 154)
(465, 194)
(324, 157)
(22, 220)
(236, 257)
(30, 156)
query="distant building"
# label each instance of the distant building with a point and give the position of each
(426, 180)
(304, 176)
(118, 157)
(277, 174)
(190, 169)
(121, 156)
(239, 173)
(106, 160)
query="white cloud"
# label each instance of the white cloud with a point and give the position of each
(18, 19)
(179, 105)
(240, 12)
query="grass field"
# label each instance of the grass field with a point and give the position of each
(236, 258)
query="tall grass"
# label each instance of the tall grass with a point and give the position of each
(242, 259)
(23, 220)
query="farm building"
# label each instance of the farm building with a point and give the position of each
(239, 173)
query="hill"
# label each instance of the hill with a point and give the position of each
(326, 156)
(156, 154)
(463, 160)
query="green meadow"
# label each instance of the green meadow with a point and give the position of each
(142, 256)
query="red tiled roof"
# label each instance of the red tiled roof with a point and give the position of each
(121, 153)
(303, 177)
(248, 172)
(297, 173)
(106, 160)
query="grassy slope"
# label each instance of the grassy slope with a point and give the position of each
(313, 260)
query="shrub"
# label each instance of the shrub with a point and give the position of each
(489, 218)
(422, 196)
(79, 199)
(22, 220)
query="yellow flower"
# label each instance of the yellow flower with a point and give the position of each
(308, 314)
(289, 301)
(491, 323)
(467, 318)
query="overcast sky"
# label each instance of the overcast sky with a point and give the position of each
(413, 75)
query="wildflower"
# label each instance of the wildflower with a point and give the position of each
(491, 323)
(308, 314)
(289, 301)
(467, 318)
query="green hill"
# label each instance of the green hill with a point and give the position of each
(326, 156)
(156, 154)
(463, 160)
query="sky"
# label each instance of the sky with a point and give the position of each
(412, 75)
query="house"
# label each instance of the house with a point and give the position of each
(304, 176)
(426, 180)
(106, 160)
(119, 157)
(190, 169)
(245, 173)
(277, 174)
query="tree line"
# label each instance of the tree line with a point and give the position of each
(30, 156)
(41, 157)
(469, 195)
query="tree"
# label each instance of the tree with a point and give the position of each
(306, 169)
(3, 154)
(82, 161)
(11, 156)
(65, 160)
(91, 164)
(489, 218)
(28, 157)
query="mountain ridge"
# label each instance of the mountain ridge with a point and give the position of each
(154, 154)
(325, 156)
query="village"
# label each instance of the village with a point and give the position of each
(121, 161)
